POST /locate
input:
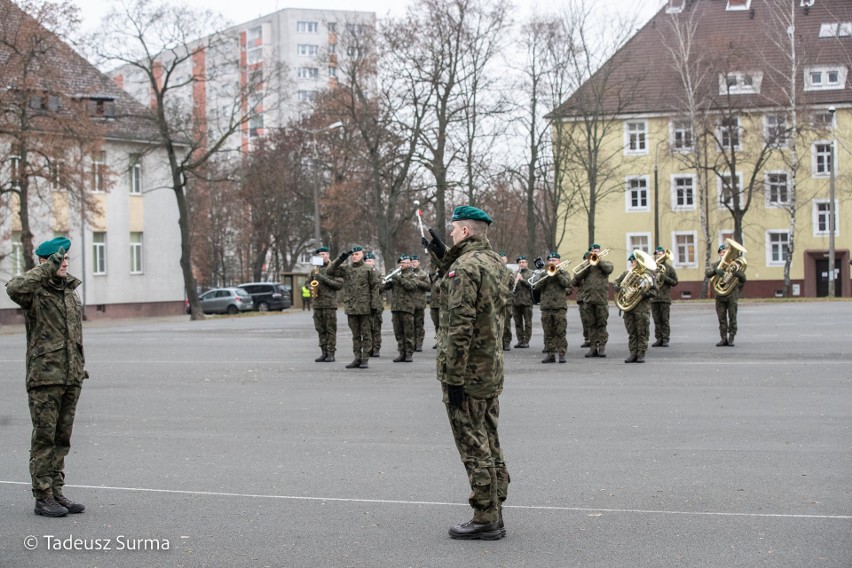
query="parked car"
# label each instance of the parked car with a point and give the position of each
(225, 301)
(268, 295)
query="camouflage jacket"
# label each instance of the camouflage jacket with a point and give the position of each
(554, 291)
(405, 291)
(421, 278)
(327, 290)
(595, 282)
(53, 315)
(473, 300)
(435, 295)
(377, 302)
(710, 272)
(523, 291)
(581, 291)
(665, 282)
(644, 305)
(359, 280)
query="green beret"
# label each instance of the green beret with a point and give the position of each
(321, 249)
(631, 258)
(502, 253)
(413, 257)
(369, 255)
(721, 248)
(553, 254)
(463, 212)
(357, 248)
(403, 257)
(520, 258)
(52, 246)
(595, 246)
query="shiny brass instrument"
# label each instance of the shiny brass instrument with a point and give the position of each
(548, 271)
(661, 267)
(730, 263)
(314, 284)
(640, 278)
(517, 279)
(593, 260)
(391, 275)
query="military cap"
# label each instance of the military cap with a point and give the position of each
(553, 254)
(463, 212)
(52, 246)
(502, 253)
(659, 249)
(631, 258)
(369, 255)
(403, 257)
(520, 258)
(357, 248)
(721, 248)
(413, 257)
(595, 246)
(321, 249)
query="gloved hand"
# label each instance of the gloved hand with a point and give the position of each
(455, 395)
(436, 245)
(739, 275)
(425, 242)
(57, 257)
(344, 255)
(720, 272)
(539, 263)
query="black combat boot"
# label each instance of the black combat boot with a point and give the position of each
(330, 357)
(507, 348)
(321, 358)
(585, 344)
(375, 353)
(364, 364)
(562, 357)
(472, 530)
(731, 340)
(723, 343)
(631, 358)
(72, 507)
(551, 358)
(657, 343)
(48, 507)
(640, 357)
(665, 343)
(419, 348)
(354, 364)
(400, 358)
(601, 351)
(591, 353)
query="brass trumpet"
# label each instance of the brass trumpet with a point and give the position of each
(593, 260)
(550, 270)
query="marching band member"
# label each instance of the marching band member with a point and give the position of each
(522, 302)
(555, 288)
(661, 304)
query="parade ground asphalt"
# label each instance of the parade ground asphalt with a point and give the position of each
(221, 443)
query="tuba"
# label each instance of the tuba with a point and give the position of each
(661, 267)
(730, 263)
(640, 278)
(593, 260)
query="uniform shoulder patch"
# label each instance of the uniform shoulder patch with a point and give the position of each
(451, 274)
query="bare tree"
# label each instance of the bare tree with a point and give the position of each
(174, 53)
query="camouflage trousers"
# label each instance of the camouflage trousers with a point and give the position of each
(598, 314)
(726, 310)
(361, 326)
(638, 325)
(474, 428)
(585, 319)
(325, 322)
(554, 324)
(403, 330)
(660, 311)
(376, 330)
(507, 327)
(419, 327)
(52, 410)
(523, 323)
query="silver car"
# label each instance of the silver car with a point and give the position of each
(226, 301)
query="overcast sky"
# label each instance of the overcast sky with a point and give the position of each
(241, 11)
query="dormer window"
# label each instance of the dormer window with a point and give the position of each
(740, 83)
(835, 29)
(738, 5)
(101, 106)
(825, 78)
(675, 6)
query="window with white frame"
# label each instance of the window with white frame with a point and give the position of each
(635, 135)
(332, 71)
(777, 245)
(98, 253)
(821, 158)
(99, 172)
(15, 169)
(641, 241)
(740, 83)
(256, 125)
(776, 130)
(254, 45)
(307, 27)
(725, 234)
(135, 174)
(135, 253)
(332, 28)
(822, 120)
(685, 248)
(729, 187)
(736, 5)
(307, 49)
(825, 78)
(729, 132)
(306, 96)
(777, 189)
(636, 193)
(822, 217)
(17, 253)
(683, 192)
(835, 29)
(57, 175)
(681, 135)
(308, 73)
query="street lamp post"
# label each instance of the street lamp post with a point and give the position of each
(831, 252)
(316, 188)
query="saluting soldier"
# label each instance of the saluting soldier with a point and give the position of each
(470, 365)
(377, 306)
(637, 321)
(554, 308)
(507, 322)
(582, 308)
(403, 301)
(421, 277)
(53, 314)
(325, 308)
(726, 306)
(522, 303)
(358, 284)
(595, 282)
(661, 305)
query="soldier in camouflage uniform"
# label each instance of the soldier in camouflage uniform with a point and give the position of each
(726, 306)
(595, 282)
(325, 308)
(582, 308)
(423, 286)
(377, 307)
(403, 301)
(53, 316)
(522, 304)
(359, 281)
(661, 304)
(470, 365)
(638, 320)
(554, 308)
(507, 322)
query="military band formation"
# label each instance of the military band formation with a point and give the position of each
(474, 298)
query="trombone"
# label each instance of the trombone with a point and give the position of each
(593, 260)
(548, 271)
(391, 275)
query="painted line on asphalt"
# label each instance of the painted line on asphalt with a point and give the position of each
(652, 362)
(442, 504)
